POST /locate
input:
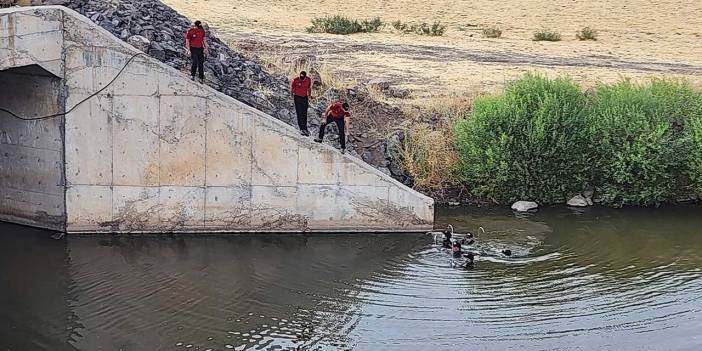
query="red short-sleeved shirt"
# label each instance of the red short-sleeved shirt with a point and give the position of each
(196, 36)
(301, 87)
(337, 110)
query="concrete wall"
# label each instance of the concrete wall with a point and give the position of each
(157, 152)
(31, 152)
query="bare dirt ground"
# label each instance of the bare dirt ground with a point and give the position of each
(637, 39)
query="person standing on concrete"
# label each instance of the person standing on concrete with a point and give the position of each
(196, 44)
(301, 89)
(337, 112)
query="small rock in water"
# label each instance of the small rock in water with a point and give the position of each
(524, 206)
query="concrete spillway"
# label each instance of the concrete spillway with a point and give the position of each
(156, 152)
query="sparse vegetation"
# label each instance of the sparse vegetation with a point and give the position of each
(492, 32)
(435, 29)
(546, 35)
(428, 150)
(586, 33)
(344, 25)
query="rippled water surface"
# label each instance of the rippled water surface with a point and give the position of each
(591, 280)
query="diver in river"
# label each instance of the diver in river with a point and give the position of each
(456, 250)
(470, 260)
(448, 232)
(468, 239)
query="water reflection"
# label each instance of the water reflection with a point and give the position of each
(594, 279)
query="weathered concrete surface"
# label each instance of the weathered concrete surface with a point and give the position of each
(155, 152)
(31, 153)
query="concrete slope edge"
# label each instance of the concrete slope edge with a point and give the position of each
(126, 49)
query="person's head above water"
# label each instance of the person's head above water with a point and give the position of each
(345, 105)
(198, 24)
(507, 252)
(303, 74)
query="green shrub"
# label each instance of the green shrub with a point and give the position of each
(492, 32)
(546, 35)
(640, 150)
(344, 25)
(586, 33)
(436, 29)
(527, 143)
(694, 132)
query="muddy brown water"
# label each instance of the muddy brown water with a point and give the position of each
(586, 280)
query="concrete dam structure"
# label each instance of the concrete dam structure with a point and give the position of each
(153, 151)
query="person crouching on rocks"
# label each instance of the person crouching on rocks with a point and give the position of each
(196, 45)
(337, 112)
(302, 92)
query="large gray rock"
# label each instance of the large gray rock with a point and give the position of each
(579, 201)
(139, 42)
(524, 206)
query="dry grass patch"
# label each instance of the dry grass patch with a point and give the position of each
(492, 32)
(428, 151)
(586, 33)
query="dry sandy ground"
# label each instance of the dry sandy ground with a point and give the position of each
(637, 39)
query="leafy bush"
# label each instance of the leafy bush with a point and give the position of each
(586, 33)
(344, 25)
(694, 132)
(545, 140)
(639, 147)
(546, 35)
(492, 32)
(527, 143)
(436, 29)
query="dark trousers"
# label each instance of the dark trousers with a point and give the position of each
(198, 57)
(340, 124)
(302, 103)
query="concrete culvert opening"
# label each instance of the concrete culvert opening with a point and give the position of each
(31, 151)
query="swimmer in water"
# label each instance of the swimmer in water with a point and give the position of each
(507, 252)
(470, 260)
(448, 232)
(456, 250)
(468, 240)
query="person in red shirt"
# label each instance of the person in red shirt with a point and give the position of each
(196, 45)
(301, 89)
(337, 112)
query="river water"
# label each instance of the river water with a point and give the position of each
(587, 280)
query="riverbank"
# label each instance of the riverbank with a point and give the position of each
(398, 128)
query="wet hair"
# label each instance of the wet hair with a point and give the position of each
(198, 24)
(469, 235)
(303, 73)
(507, 252)
(345, 105)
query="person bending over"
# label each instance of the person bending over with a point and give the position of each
(196, 45)
(337, 112)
